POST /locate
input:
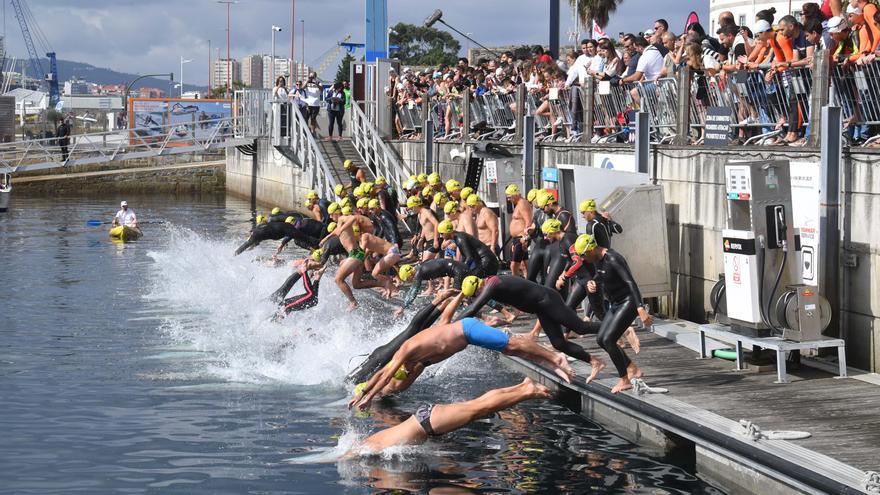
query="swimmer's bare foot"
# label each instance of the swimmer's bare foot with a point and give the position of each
(597, 365)
(563, 369)
(633, 339)
(493, 321)
(622, 384)
(569, 335)
(633, 371)
(536, 390)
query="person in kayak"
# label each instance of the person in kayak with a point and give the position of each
(440, 342)
(125, 217)
(541, 301)
(433, 420)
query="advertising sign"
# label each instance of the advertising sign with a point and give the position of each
(620, 162)
(188, 120)
(805, 199)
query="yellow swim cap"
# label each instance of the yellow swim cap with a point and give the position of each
(413, 201)
(434, 179)
(331, 227)
(422, 178)
(346, 201)
(339, 189)
(312, 195)
(367, 187)
(260, 219)
(406, 272)
(473, 200)
(358, 192)
(453, 185)
(316, 254)
(584, 243)
(289, 220)
(451, 207)
(346, 210)
(511, 190)
(359, 388)
(533, 193)
(427, 191)
(587, 205)
(333, 208)
(545, 199)
(439, 197)
(380, 181)
(276, 210)
(445, 227)
(551, 226)
(373, 204)
(401, 373)
(307, 202)
(470, 285)
(348, 164)
(465, 192)
(362, 203)
(410, 184)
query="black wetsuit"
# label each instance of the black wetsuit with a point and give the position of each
(539, 255)
(539, 300)
(308, 299)
(476, 255)
(623, 293)
(386, 227)
(434, 269)
(325, 215)
(282, 216)
(579, 272)
(383, 354)
(277, 231)
(388, 201)
(332, 247)
(602, 229)
(308, 226)
(352, 176)
(559, 261)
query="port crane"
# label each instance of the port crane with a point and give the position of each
(27, 21)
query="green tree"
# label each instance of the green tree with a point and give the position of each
(344, 68)
(418, 45)
(594, 10)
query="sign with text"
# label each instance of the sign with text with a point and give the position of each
(718, 121)
(805, 199)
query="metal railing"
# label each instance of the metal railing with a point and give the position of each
(375, 152)
(291, 131)
(122, 144)
(253, 106)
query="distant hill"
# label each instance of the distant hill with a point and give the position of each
(68, 69)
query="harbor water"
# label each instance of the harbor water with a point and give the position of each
(154, 366)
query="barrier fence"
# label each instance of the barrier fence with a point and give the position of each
(764, 107)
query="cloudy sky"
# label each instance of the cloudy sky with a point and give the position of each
(150, 36)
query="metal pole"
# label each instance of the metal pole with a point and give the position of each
(587, 100)
(428, 131)
(643, 141)
(209, 68)
(829, 214)
(292, 40)
(466, 117)
(528, 151)
(520, 110)
(228, 54)
(181, 77)
(819, 93)
(272, 69)
(554, 27)
(682, 112)
(303, 34)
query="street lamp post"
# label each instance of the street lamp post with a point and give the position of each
(467, 46)
(129, 85)
(228, 56)
(275, 29)
(182, 61)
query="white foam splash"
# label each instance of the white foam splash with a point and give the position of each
(218, 304)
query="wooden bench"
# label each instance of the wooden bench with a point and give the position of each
(778, 344)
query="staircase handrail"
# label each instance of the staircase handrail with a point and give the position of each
(303, 144)
(375, 152)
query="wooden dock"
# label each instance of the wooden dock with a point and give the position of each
(707, 399)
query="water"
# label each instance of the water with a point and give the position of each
(152, 367)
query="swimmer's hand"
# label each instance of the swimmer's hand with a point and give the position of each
(591, 286)
(560, 282)
(399, 312)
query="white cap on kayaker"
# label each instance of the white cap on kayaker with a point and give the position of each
(124, 203)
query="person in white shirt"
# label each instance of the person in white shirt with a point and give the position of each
(125, 216)
(312, 98)
(649, 67)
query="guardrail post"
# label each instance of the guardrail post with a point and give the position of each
(520, 110)
(588, 96)
(426, 108)
(829, 212)
(643, 141)
(428, 130)
(683, 107)
(528, 123)
(466, 116)
(819, 94)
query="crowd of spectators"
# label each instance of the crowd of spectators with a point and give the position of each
(763, 56)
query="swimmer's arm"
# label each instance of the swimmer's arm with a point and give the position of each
(413, 291)
(449, 310)
(493, 232)
(344, 224)
(484, 297)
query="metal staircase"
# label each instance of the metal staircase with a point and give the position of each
(375, 153)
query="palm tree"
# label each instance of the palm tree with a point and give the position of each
(594, 10)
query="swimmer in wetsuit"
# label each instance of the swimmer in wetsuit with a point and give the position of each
(277, 231)
(539, 252)
(543, 302)
(306, 226)
(438, 343)
(476, 255)
(430, 270)
(385, 223)
(434, 420)
(559, 243)
(621, 290)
